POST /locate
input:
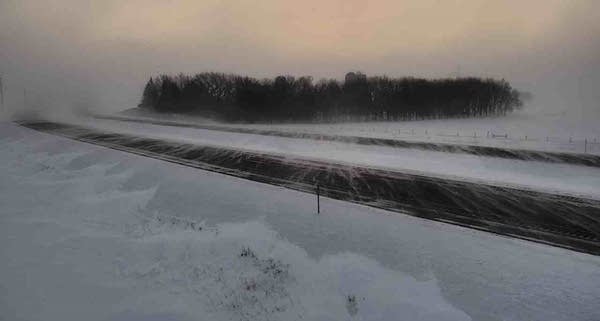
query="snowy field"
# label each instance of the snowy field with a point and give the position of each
(552, 177)
(88, 233)
(520, 130)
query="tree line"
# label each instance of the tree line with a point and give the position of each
(357, 98)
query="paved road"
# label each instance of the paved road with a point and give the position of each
(559, 220)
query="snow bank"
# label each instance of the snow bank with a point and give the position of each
(78, 243)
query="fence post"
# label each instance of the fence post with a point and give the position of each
(318, 199)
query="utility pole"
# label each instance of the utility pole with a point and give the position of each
(1, 95)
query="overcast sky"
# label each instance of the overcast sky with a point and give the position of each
(99, 53)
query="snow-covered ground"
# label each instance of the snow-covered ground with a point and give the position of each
(556, 178)
(524, 130)
(88, 233)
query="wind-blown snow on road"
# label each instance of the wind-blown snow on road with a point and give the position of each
(95, 234)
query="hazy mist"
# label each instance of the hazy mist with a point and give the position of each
(98, 54)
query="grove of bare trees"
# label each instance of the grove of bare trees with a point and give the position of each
(357, 98)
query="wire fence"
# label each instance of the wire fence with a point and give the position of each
(504, 139)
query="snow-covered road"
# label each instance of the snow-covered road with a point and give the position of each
(95, 234)
(563, 221)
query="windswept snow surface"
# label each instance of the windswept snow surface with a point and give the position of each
(88, 233)
(551, 177)
(523, 130)
(533, 130)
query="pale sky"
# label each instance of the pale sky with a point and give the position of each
(100, 52)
